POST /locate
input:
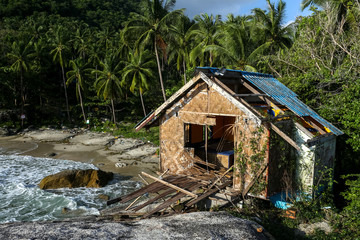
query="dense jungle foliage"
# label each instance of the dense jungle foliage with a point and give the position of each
(70, 61)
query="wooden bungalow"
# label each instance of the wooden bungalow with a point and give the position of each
(248, 121)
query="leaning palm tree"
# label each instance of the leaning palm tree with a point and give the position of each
(108, 83)
(21, 55)
(58, 52)
(270, 26)
(77, 74)
(150, 27)
(206, 31)
(138, 72)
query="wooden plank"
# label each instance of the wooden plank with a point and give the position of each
(208, 193)
(284, 136)
(155, 186)
(249, 95)
(131, 204)
(217, 180)
(170, 185)
(172, 200)
(170, 191)
(161, 195)
(254, 180)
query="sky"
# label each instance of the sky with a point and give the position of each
(237, 7)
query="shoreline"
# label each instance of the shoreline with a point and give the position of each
(124, 156)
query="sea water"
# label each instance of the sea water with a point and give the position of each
(21, 199)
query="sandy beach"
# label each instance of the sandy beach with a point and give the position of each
(125, 156)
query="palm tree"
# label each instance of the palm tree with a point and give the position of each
(108, 83)
(270, 24)
(21, 55)
(205, 32)
(150, 28)
(234, 44)
(180, 45)
(138, 70)
(77, 74)
(81, 44)
(58, 51)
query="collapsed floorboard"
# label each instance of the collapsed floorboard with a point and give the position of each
(171, 190)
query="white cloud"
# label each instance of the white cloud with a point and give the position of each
(222, 7)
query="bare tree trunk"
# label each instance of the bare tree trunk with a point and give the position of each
(113, 110)
(81, 103)
(66, 96)
(159, 69)
(142, 103)
(184, 66)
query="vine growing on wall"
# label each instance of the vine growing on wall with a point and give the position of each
(251, 164)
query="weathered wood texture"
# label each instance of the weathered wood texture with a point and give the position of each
(250, 141)
(200, 99)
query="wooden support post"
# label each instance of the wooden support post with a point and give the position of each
(206, 148)
(284, 136)
(170, 185)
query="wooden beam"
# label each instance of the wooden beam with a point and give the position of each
(250, 95)
(170, 185)
(222, 175)
(314, 124)
(207, 194)
(221, 90)
(242, 101)
(254, 180)
(303, 129)
(319, 139)
(284, 136)
(172, 200)
(266, 99)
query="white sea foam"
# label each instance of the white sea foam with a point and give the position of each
(22, 200)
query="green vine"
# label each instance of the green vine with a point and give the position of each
(251, 164)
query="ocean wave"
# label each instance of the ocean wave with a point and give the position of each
(22, 200)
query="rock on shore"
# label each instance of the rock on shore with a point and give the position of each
(76, 178)
(199, 225)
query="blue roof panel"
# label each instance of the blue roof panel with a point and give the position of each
(278, 91)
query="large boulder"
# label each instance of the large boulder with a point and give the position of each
(202, 225)
(76, 178)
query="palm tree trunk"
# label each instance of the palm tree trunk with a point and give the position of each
(184, 66)
(22, 95)
(113, 109)
(159, 69)
(81, 104)
(66, 96)
(142, 103)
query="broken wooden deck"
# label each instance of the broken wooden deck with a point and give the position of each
(170, 189)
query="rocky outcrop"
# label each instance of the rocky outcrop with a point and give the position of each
(199, 225)
(76, 178)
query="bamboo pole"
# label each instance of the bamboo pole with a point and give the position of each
(170, 185)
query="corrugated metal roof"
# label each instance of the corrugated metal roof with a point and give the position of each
(278, 91)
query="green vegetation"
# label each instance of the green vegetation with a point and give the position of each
(68, 61)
